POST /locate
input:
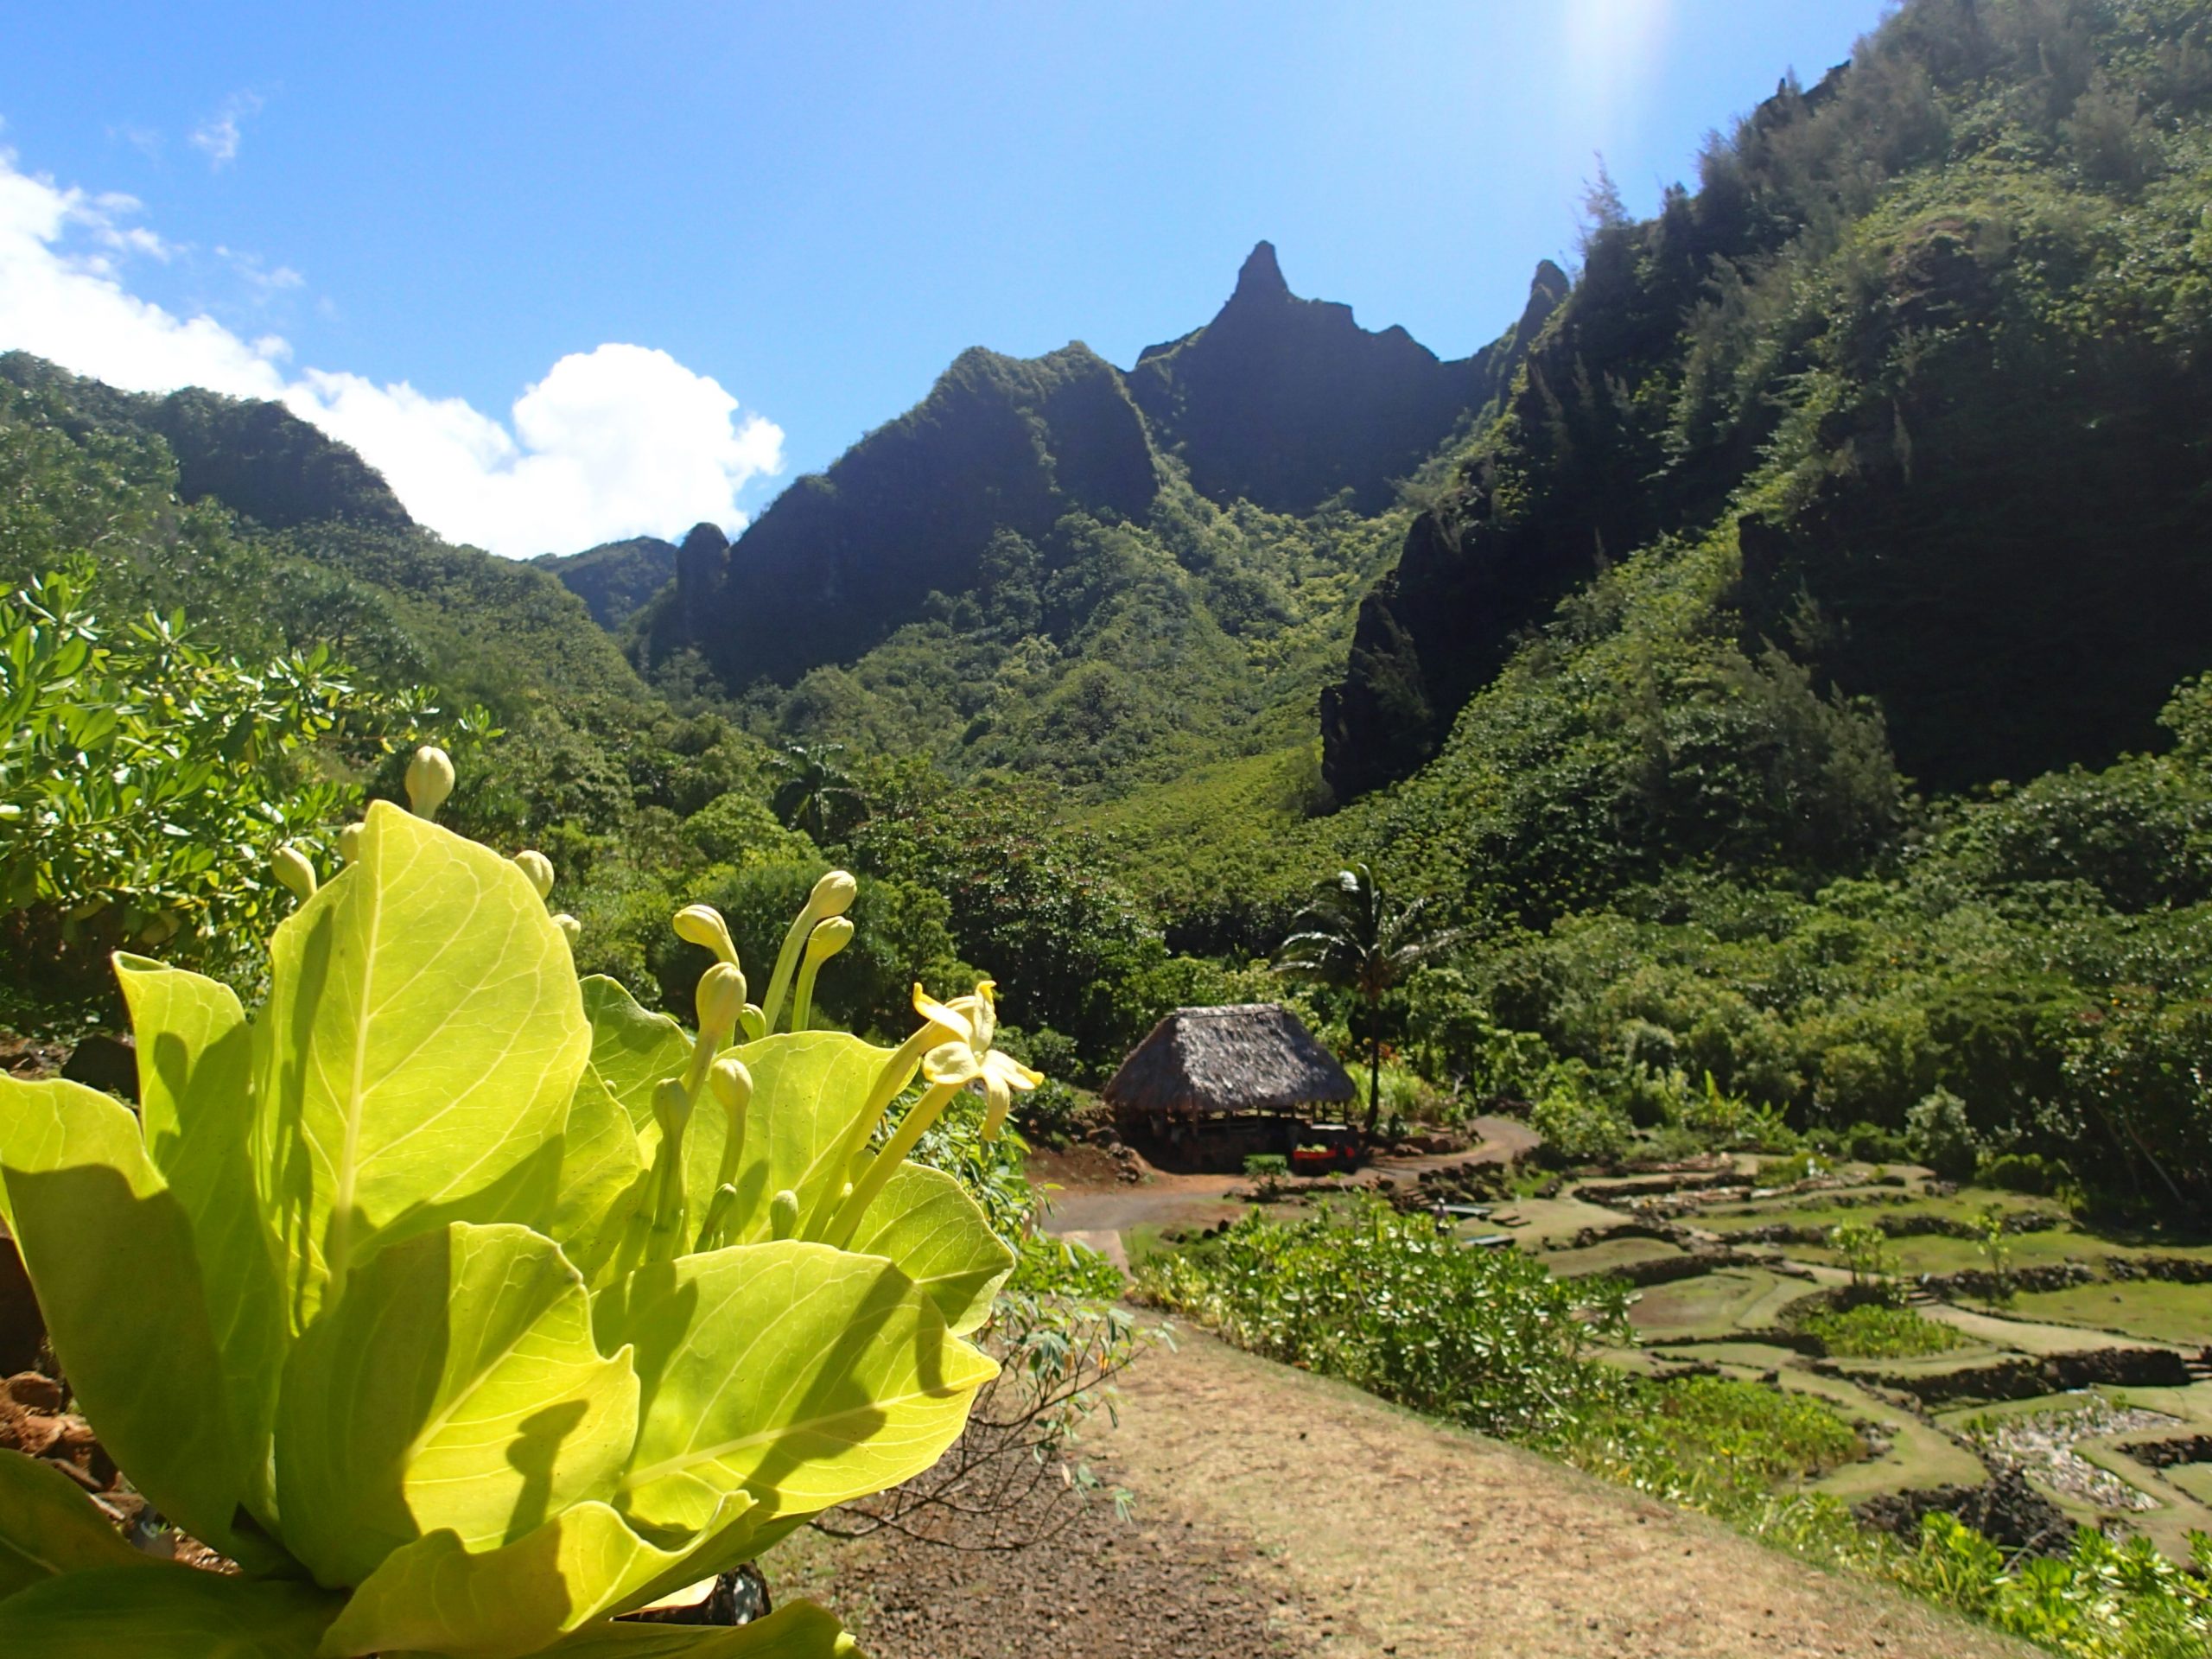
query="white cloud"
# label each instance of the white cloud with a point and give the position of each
(219, 135)
(612, 442)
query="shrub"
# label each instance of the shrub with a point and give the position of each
(641, 1304)
(1872, 1144)
(1941, 1135)
(1260, 1164)
(1390, 1302)
(2022, 1172)
(1577, 1128)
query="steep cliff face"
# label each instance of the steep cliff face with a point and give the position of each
(1281, 402)
(1929, 351)
(1285, 402)
(843, 558)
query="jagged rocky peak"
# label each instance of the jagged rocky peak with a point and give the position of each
(1287, 402)
(1259, 278)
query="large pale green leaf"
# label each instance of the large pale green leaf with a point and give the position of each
(48, 1527)
(456, 1386)
(435, 1595)
(112, 1259)
(169, 1612)
(808, 1091)
(417, 1055)
(799, 1630)
(195, 1103)
(600, 1188)
(924, 1221)
(802, 1375)
(631, 1050)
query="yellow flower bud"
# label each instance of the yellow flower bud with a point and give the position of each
(429, 780)
(672, 1107)
(571, 929)
(827, 940)
(349, 842)
(783, 1215)
(702, 925)
(732, 1083)
(538, 867)
(291, 866)
(721, 999)
(833, 895)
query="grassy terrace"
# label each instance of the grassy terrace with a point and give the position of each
(1717, 1317)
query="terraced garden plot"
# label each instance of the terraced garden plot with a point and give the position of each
(1938, 1254)
(2194, 1478)
(1821, 1208)
(1711, 1305)
(1544, 1220)
(2011, 1328)
(2150, 1308)
(1610, 1257)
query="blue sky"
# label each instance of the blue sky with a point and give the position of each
(404, 218)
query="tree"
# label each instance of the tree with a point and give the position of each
(814, 789)
(1353, 937)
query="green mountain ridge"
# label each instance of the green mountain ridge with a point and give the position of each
(615, 580)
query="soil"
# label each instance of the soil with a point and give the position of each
(1096, 1197)
(1280, 1513)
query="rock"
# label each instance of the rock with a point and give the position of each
(2006, 1510)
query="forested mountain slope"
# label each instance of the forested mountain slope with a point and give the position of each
(271, 538)
(1097, 577)
(1928, 345)
(615, 580)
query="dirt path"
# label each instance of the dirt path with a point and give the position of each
(1278, 1513)
(1438, 1543)
(1164, 1198)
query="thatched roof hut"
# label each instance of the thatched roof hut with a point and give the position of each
(1211, 1062)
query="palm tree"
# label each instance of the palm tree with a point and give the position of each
(814, 787)
(1354, 938)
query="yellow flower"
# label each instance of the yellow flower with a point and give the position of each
(1000, 1075)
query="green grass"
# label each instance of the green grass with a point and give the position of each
(2150, 1308)
(1711, 1305)
(1607, 1257)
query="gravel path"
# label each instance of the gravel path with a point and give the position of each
(1278, 1513)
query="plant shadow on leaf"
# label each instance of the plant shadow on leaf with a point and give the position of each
(533, 1454)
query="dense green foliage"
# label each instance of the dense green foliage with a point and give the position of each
(1895, 302)
(146, 785)
(615, 580)
(1399, 1306)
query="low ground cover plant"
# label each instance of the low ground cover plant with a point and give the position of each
(465, 1305)
(1877, 1330)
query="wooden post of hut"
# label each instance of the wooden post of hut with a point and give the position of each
(1210, 1086)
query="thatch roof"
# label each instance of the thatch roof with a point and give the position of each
(1253, 1058)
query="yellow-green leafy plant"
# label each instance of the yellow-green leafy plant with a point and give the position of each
(466, 1306)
